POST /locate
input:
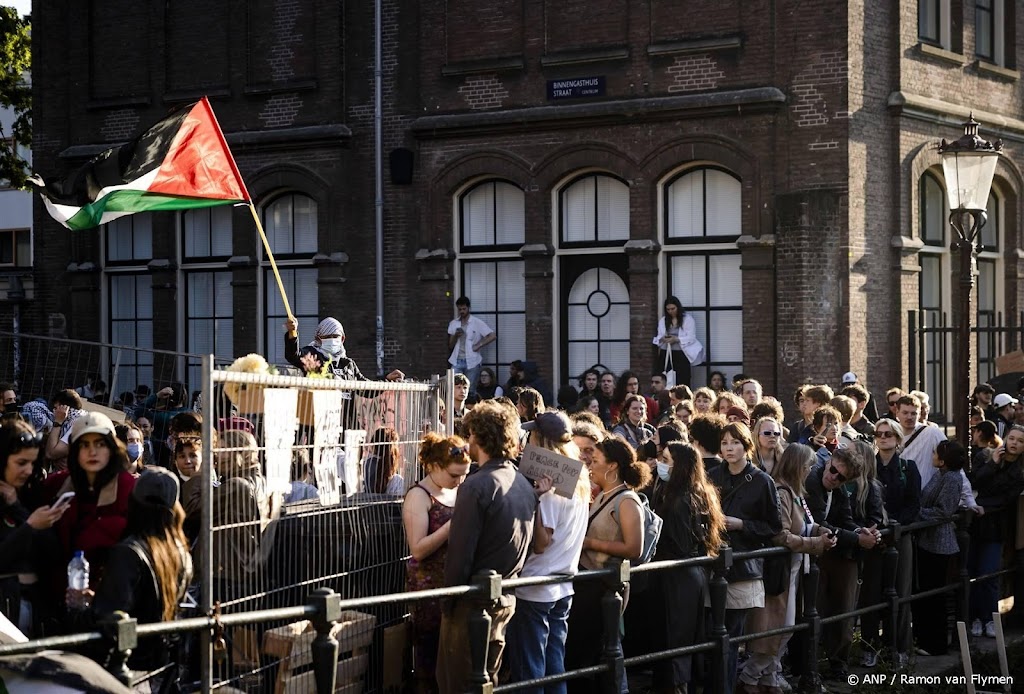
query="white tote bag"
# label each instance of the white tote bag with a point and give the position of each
(670, 372)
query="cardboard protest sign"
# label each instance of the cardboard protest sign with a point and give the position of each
(354, 439)
(279, 434)
(327, 405)
(563, 471)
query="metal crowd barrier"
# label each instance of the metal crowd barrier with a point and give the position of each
(325, 608)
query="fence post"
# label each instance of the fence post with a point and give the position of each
(810, 681)
(890, 564)
(325, 646)
(611, 614)
(718, 590)
(479, 627)
(963, 594)
(119, 629)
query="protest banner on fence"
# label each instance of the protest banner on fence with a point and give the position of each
(354, 439)
(327, 405)
(279, 434)
(563, 471)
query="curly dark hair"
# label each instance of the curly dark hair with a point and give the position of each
(617, 451)
(495, 427)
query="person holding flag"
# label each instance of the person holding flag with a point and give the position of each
(326, 354)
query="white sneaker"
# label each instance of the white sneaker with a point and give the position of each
(990, 629)
(976, 627)
(869, 659)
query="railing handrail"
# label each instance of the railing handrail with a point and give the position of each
(468, 590)
(106, 345)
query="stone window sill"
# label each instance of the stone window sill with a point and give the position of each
(987, 69)
(930, 51)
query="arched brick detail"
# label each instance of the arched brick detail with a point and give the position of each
(436, 229)
(278, 179)
(668, 159)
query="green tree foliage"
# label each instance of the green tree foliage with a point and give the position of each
(15, 93)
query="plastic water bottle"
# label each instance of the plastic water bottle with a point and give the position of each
(78, 575)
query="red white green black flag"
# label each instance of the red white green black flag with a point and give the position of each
(180, 163)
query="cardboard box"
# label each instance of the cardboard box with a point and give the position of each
(1012, 362)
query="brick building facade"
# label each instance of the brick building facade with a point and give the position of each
(771, 165)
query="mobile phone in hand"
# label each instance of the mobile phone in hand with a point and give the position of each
(64, 499)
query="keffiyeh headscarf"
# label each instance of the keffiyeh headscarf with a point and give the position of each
(37, 414)
(329, 326)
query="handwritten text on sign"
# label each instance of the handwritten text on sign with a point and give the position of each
(564, 472)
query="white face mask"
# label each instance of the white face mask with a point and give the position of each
(664, 471)
(331, 345)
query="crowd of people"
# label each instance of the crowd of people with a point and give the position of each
(714, 467)
(719, 466)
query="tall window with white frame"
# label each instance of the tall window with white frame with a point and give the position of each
(290, 221)
(128, 243)
(702, 219)
(593, 221)
(933, 294)
(491, 228)
(207, 312)
(990, 294)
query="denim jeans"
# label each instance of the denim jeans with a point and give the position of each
(472, 374)
(536, 642)
(984, 558)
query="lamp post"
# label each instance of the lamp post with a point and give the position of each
(968, 164)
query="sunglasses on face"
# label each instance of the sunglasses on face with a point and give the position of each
(884, 434)
(771, 433)
(832, 469)
(457, 452)
(892, 403)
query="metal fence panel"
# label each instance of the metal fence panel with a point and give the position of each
(271, 538)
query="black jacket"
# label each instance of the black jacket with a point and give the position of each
(901, 482)
(342, 367)
(129, 584)
(996, 487)
(15, 551)
(751, 497)
(840, 517)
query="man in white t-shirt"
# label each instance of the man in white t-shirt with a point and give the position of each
(537, 632)
(467, 335)
(919, 440)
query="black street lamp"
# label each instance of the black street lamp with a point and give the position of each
(969, 165)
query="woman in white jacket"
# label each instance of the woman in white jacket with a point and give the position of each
(677, 334)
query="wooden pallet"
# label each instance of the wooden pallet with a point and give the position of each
(292, 644)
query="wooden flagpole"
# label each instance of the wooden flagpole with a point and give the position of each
(273, 263)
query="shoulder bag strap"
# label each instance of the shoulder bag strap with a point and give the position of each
(669, 366)
(913, 436)
(600, 508)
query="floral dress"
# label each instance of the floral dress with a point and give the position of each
(426, 615)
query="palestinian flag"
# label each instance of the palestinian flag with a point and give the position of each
(180, 163)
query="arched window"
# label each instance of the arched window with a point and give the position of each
(491, 228)
(594, 210)
(933, 292)
(291, 223)
(990, 294)
(492, 215)
(702, 203)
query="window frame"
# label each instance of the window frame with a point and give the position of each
(15, 233)
(186, 259)
(590, 243)
(187, 318)
(942, 21)
(704, 238)
(135, 260)
(480, 258)
(922, 219)
(709, 364)
(461, 202)
(139, 352)
(294, 255)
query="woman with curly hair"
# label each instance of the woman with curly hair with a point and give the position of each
(703, 398)
(426, 515)
(726, 400)
(380, 466)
